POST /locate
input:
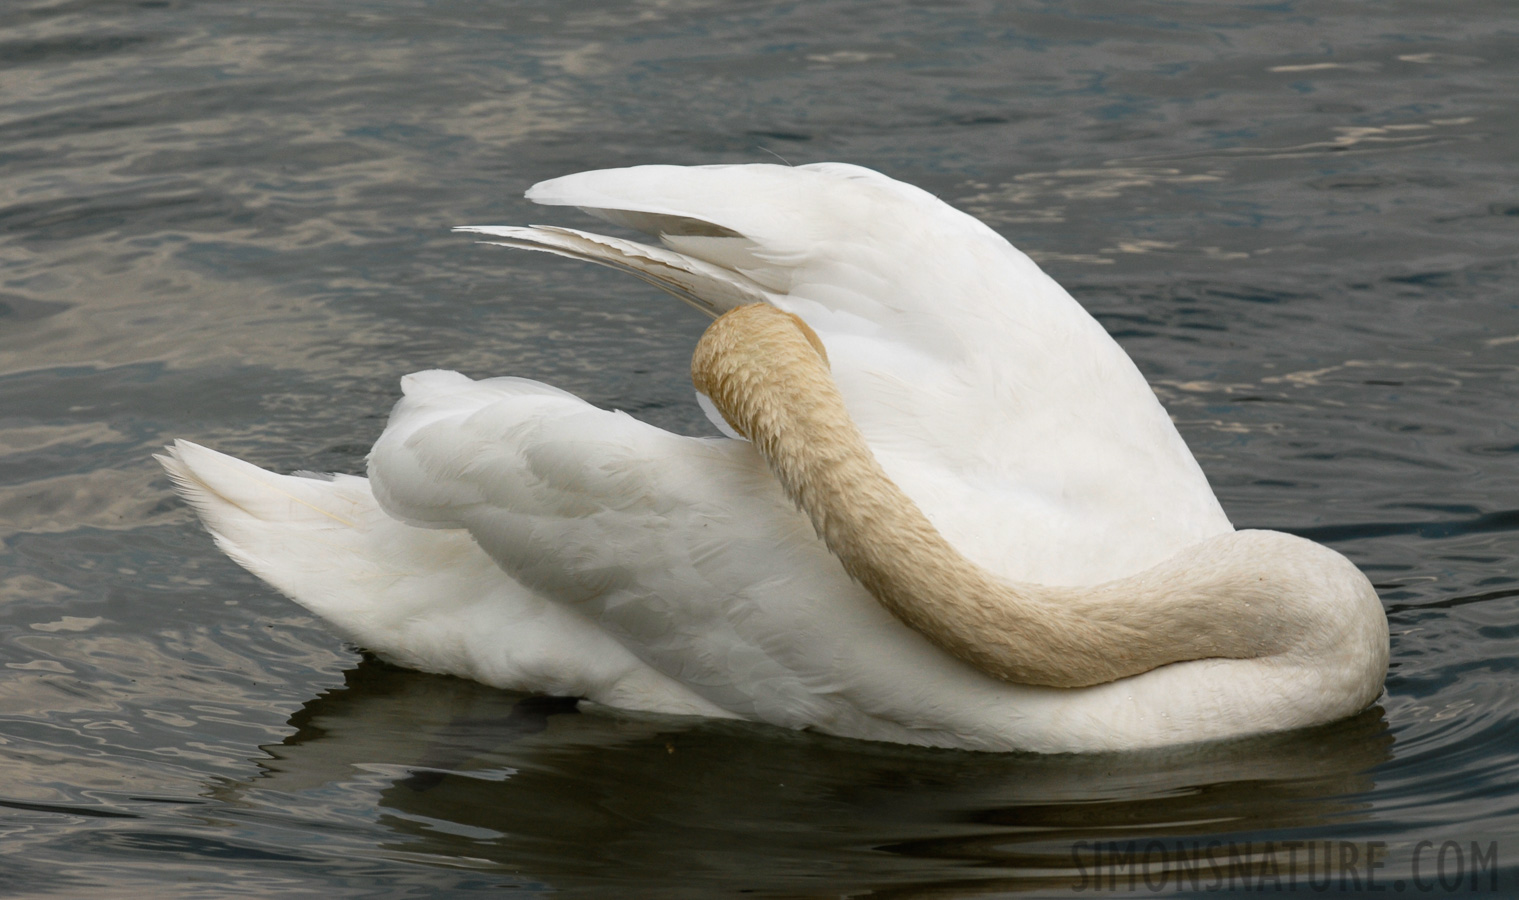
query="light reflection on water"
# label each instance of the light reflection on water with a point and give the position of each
(228, 222)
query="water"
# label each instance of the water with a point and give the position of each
(227, 221)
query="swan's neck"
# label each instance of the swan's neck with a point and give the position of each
(1226, 597)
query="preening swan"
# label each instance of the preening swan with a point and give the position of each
(1233, 596)
(951, 511)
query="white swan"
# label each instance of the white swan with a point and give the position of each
(1047, 568)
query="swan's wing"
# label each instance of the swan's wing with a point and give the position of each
(428, 600)
(683, 549)
(529, 469)
(988, 394)
(707, 287)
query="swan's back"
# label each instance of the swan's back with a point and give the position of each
(987, 393)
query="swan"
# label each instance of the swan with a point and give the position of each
(947, 509)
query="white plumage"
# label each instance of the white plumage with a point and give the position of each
(511, 533)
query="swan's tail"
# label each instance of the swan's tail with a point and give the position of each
(427, 599)
(322, 540)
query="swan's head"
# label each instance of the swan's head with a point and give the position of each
(751, 343)
(1240, 595)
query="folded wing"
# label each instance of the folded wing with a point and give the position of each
(684, 550)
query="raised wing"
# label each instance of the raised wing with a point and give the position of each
(987, 393)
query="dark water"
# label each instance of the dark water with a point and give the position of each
(227, 221)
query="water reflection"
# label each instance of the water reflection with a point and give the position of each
(591, 800)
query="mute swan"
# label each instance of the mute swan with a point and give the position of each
(964, 519)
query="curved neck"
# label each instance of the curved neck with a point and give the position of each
(764, 369)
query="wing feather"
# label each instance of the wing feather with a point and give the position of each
(986, 392)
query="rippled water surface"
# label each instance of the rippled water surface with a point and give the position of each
(228, 221)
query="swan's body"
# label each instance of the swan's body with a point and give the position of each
(511, 533)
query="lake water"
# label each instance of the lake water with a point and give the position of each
(227, 221)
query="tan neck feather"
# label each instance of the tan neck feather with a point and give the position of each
(766, 372)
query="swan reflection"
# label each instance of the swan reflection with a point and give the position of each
(454, 773)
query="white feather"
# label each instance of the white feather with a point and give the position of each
(512, 533)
